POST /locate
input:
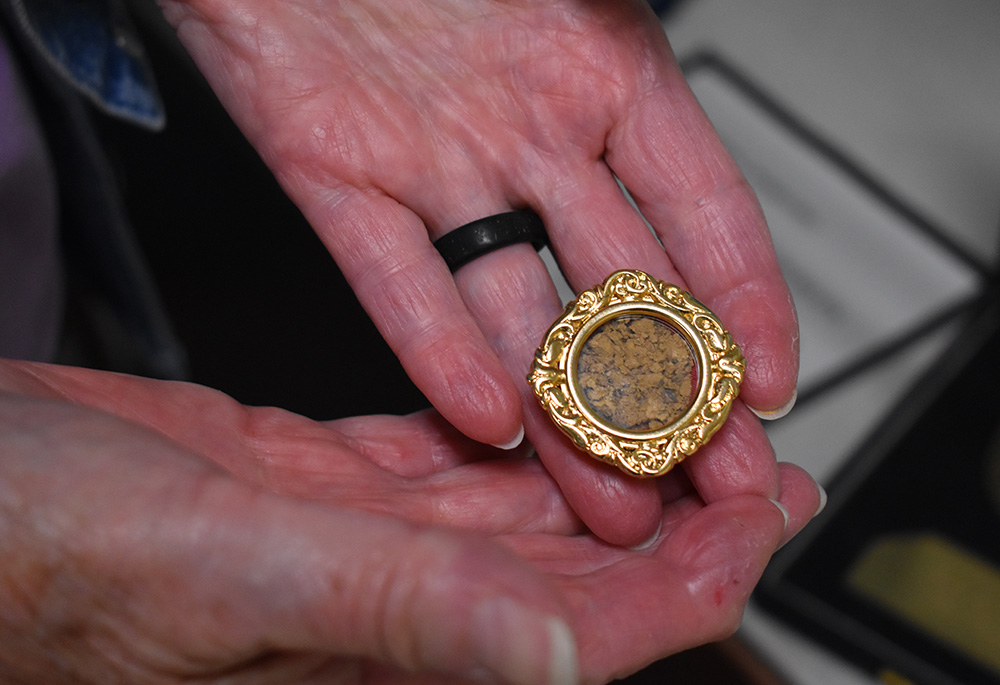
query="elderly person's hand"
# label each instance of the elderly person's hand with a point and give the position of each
(161, 532)
(391, 122)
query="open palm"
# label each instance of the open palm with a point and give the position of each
(161, 532)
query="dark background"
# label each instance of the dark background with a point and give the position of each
(260, 307)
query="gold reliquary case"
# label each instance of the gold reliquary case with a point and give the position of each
(637, 373)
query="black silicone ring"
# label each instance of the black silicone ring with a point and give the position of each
(465, 243)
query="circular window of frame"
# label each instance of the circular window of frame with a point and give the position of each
(637, 373)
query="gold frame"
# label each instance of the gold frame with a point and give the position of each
(639, 453)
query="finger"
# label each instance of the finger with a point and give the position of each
(367, 586)
(451, 479)
(631, 608)
(419, 444)
(674, 486)
(587, 224)
(802, 497)
(491, 497)
(292, 455)
(695, 586)
(511, 296)
(335, 156)
(295, 456)
(513, 299)
(587, 221)
(384, 252)
(685, 183)
(595, 230)
(739, 459)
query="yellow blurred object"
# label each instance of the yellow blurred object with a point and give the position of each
(892, 678)
(948, 592)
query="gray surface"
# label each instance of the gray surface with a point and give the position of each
(911, 91)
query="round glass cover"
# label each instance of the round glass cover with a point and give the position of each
(637, 373)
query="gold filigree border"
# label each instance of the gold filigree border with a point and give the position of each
(644, 454)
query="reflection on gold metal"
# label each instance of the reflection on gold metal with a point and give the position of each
(637, 373)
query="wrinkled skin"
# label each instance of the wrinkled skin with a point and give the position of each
(389, 122)
(160, 532)
(156, 533)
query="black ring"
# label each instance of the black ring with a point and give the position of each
(465, 243)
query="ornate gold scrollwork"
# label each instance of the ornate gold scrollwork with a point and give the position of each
(718, 361)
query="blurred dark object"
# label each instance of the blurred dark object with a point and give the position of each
(663, 7)
(729, 662)
(902, 570)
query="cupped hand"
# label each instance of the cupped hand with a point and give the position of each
(391, 122)
(160, 532)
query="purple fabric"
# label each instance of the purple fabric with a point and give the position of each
(30, 271)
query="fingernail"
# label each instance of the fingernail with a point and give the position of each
(822, 500)
(780, 412)
(518, 439)
(651, 541)
(523, 646)
(563, 669)
(781, 508)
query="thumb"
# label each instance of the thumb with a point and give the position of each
(350, 583)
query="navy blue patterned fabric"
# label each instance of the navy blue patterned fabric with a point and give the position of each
(93, 45)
